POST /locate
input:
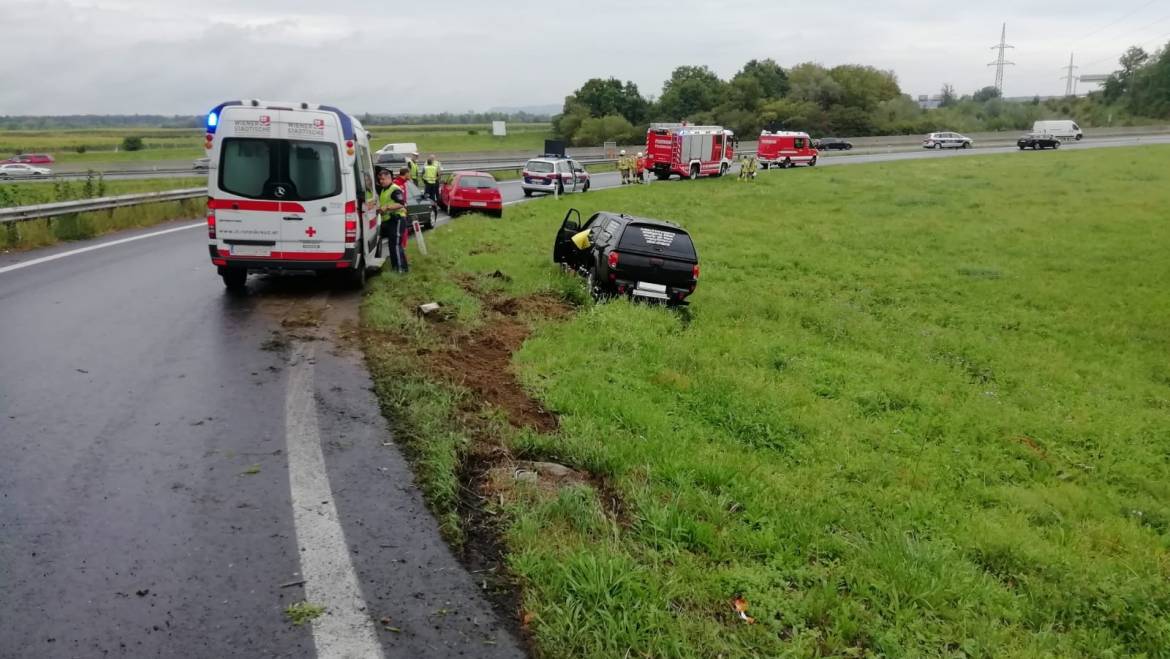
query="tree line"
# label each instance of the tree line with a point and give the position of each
(851, 100)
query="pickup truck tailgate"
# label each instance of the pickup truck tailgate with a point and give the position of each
(656, 254)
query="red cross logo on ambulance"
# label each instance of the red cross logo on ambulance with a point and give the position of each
(319, 124)
(310, 232)
(265, 120)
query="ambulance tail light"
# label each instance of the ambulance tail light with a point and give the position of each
(210, 220)
(351, 221)
(349, 147)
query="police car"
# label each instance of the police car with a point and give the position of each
(553, 174)
(290, 187)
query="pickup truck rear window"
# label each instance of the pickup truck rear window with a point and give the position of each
(657, 239)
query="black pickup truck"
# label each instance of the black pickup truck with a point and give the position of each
(643, 258)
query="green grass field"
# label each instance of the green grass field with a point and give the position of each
(916, 409)
(179, 144)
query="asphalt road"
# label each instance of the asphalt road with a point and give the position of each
(181, 464)
(178, 459)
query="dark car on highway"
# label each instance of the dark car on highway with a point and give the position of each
(828, 143)
(643, 258)
(1037, 141)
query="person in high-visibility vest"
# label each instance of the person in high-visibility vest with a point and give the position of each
(430, 177)
(392, 206)
(639, 168)
(412, 164)
(752, 163)
(623, 165)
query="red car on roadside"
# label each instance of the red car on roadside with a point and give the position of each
(29, 159)
(471, 191)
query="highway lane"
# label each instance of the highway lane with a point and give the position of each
(155, 432)
(161, 495)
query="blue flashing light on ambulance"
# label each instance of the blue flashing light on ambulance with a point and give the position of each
(290, 187)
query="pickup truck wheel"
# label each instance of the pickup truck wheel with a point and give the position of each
(591, 284)
(694, 172)
(234, 279)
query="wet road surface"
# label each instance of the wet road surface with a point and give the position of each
(156, 499)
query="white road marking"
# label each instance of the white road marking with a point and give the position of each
(82, 250)
(345, 631)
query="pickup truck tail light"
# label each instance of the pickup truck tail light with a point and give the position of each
(613, 259)
(351, 221)
(695, 272)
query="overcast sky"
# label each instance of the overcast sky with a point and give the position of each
(170, 57)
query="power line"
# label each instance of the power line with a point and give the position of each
(1143, 46)
(1000, 62)
(1109, 25)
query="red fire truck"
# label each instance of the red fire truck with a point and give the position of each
(785, 149)
(689, 151)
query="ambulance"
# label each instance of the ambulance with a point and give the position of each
(689, 151)
(785, 149)
(290, 187)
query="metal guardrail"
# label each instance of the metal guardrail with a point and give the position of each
(40, 211)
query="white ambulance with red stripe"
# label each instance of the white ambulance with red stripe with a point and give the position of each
(290, 187)
(689, 151)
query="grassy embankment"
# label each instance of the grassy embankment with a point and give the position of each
(182, 144)
(918, 409)
(40, 233)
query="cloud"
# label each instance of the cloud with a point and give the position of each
(127, 56)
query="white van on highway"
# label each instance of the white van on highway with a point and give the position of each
(405, 148)
(290, 187)
(1063, 128)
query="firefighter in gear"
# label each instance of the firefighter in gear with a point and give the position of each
(753, 164)
(623, 165)
(392, 206)
(430, 177)
(639, 168)
(743, 167)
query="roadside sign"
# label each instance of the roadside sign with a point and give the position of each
(499, 128)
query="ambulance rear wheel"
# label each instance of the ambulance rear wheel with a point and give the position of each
(356, 278)
(234, 279)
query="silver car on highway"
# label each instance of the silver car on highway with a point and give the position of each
(946, 141)
(18, 170)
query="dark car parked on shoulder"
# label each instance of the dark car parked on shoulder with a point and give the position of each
(827, 143)
(1038, 141)
(642, 258)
